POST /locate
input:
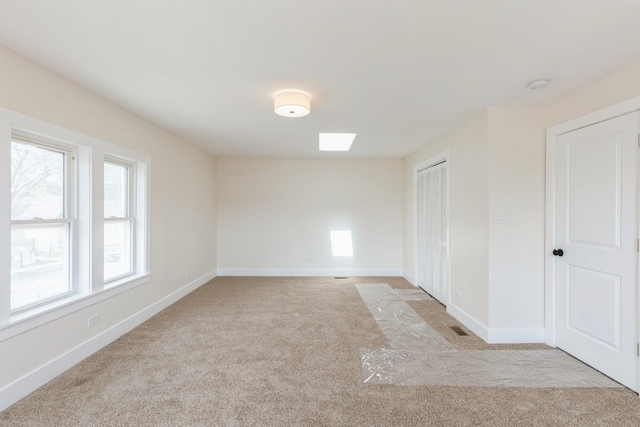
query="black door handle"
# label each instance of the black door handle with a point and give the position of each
(558, 252)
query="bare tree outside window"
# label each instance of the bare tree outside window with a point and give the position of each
(39, 242)
(37, 183)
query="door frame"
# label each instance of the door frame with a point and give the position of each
(617, 110)
(432, 161)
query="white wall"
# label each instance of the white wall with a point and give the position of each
(501, 268)
(275, 216)
(497, 269)
(183, 216)
(610, 90)
(516, 245)
(469, 208)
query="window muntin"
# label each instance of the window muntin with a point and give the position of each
(118, 220)
(42, 226)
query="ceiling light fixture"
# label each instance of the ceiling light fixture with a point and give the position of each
(539, 84)
(291, 103)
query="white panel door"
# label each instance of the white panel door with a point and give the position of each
(433, 254)
(595, 246)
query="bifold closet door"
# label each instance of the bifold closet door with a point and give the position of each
(433, 256)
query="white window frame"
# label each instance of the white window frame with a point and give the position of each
(68, 216)
(130, 214)
(90, 288)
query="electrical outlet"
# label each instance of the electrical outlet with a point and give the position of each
(460, 295)
(309, 259)
(187, 274)
(93, 320)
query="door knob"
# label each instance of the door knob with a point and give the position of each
(558, 252)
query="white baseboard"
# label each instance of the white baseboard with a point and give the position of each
(497, 335)
(20, 388)
(309, 272)
(469, 321)
(409, 278)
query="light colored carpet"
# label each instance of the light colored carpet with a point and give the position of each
(287, 352)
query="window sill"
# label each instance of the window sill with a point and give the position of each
(39, 316)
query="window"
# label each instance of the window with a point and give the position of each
(74, 230)
(42, 223)
(119, 223)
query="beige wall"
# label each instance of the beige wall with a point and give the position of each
(182, 203)
(516, 245)
(275, 216)
(497, 164)
(610, 90)
(469, 205)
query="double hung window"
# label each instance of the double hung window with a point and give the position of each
(119, 219)
(75, 227)
(42, 222)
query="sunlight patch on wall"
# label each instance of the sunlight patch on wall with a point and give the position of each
(341, 243)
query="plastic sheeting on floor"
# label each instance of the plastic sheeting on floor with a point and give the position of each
(419, 355)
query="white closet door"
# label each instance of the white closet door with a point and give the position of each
(424, 233)
(433, 251)
(441, 280)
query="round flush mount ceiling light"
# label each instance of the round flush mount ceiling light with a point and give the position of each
(291, 103)
(539, 84)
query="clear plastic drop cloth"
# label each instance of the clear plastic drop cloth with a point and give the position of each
(401, 325)
(420, 356)
(486, 368)
(412, 294)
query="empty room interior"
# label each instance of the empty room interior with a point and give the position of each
(319, 213)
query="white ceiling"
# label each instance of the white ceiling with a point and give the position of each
(397, 73)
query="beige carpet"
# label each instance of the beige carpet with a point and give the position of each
(286, 352)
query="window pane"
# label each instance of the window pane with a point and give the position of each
(39, 264)
(115, 190)
(37, 182)
(117, 249)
